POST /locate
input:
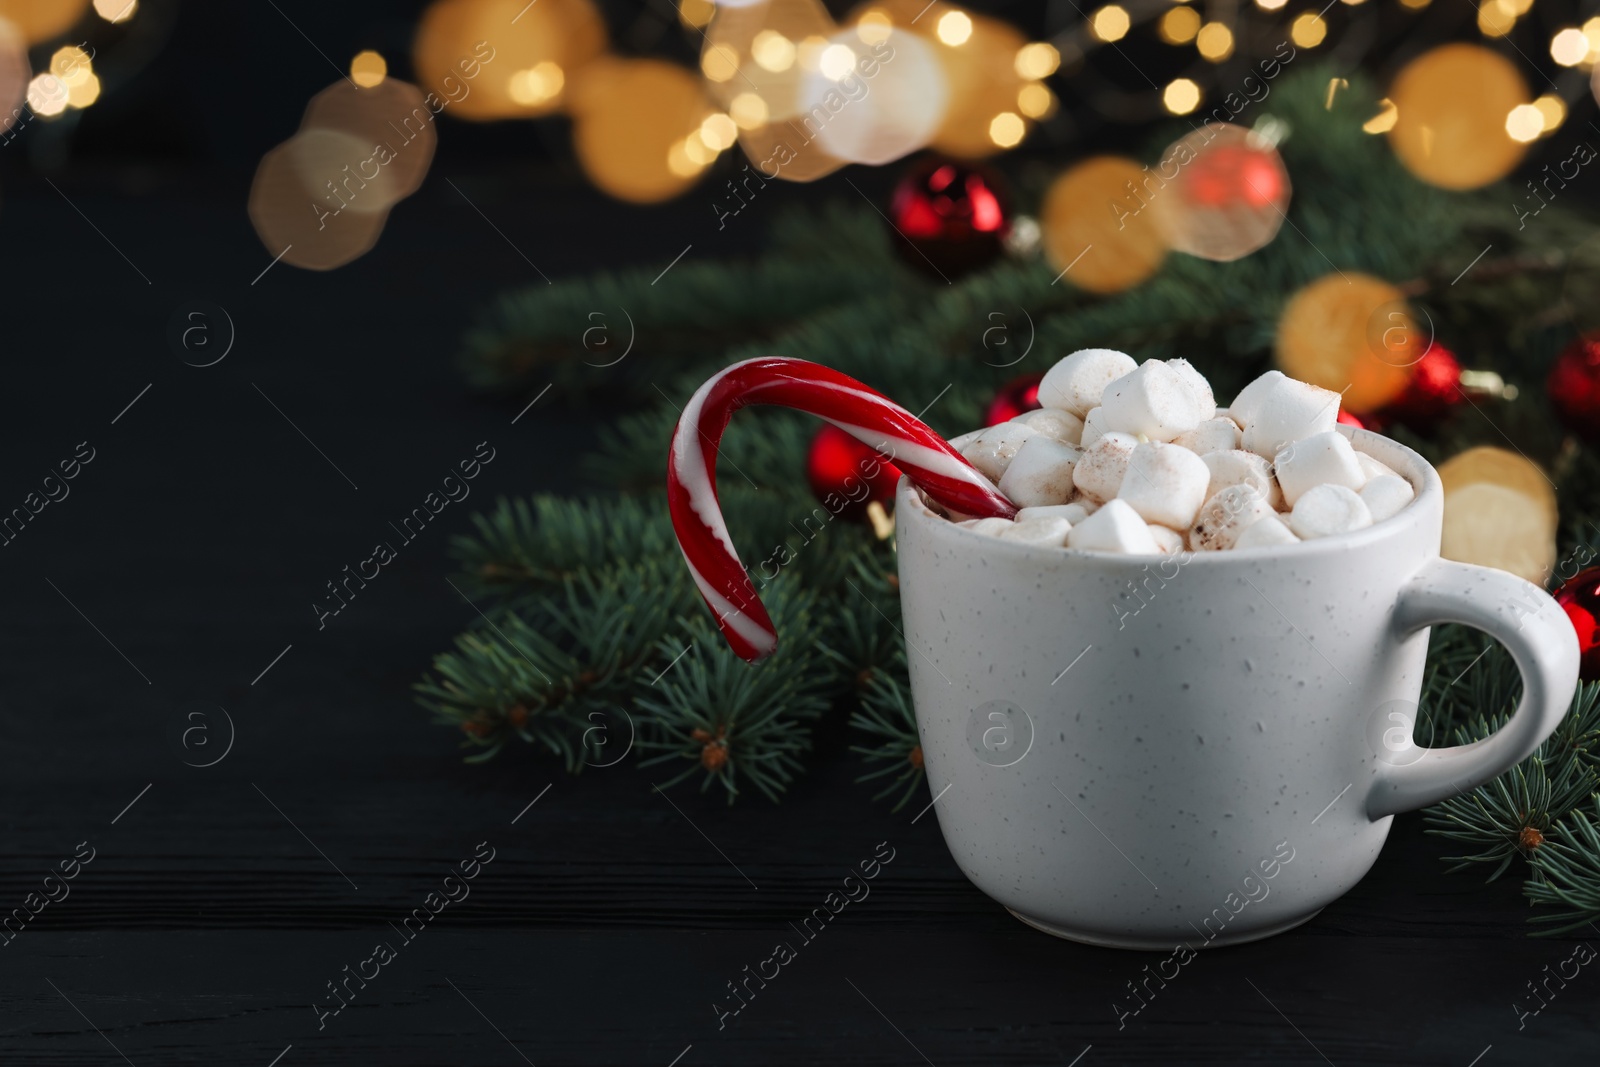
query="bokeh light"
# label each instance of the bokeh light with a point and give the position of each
(1093, 229)
(1553, 110)
(1569, 47)
(635, 121)
(391, 120)
(1496, 18)
(41, 20)
(1037, 60)
(1524, 123)
(1384, 120)
(116, 10)
(1447, 135)
(1215, 41)
(1035, 100)
(473, 54)
(1308, 29)
(1179, 25)
(1110, 23)
(47, 95)
(295, 215)
(368, 69)
(954, 28)
(15, 74)
(696, 14)
(1007, 129)
(895, 113)
(1181, 96)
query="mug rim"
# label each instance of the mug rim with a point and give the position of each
(910, 504)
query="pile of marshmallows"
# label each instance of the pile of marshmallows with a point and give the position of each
(1135, 458)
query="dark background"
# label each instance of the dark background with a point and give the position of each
(188, 554)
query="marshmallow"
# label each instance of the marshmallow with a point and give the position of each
(992, 450)
(1114, 528)
(993, 527)
(1152, 401)
(1073, 513)
(1094, 427)
(1373, 469)
(1075, 383)
(1060, 426)
(1205, 401)
(1100, 470)
(1288, 411)
(1238, 467)
(1264, 533)
(1227, 515)
(1385, 495)
(1220, 434)
(1327, 510)
(1165, 484)
(1044, 532)
(1040, 472)
(1322, 459)
(1169, 542)
(1248, 402)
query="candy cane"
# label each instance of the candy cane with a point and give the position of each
(868, 416)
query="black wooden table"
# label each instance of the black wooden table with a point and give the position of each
(161, 611)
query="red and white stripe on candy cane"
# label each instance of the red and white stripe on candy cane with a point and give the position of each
(871, 418)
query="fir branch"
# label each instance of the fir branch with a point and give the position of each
(887, 716)
(710, 713)
(1567, 874)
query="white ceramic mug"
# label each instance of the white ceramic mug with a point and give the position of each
(1216, 759)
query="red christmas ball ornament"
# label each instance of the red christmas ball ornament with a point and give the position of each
(1232, 192)
(1350, 419)
(1015, 397)
(1579, 597)
(1232, 174)
(949, 218)
(846, 475)
(1574, 386)
(1432, 393)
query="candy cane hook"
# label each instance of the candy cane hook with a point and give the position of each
(871, 418)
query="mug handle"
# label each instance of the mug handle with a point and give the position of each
(1540, 638)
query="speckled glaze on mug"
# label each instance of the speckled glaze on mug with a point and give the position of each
(1121, 770)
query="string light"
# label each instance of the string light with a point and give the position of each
(1110, 23)
(1040, 60)
(368, 69)
(954, 27)
(1215, 41)
(1007, 129)
(1569, 47)
(1308, 30)
(1179, 25)
(1271, 5)
(1591, 33)
(1181, 96)
(536, 85)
